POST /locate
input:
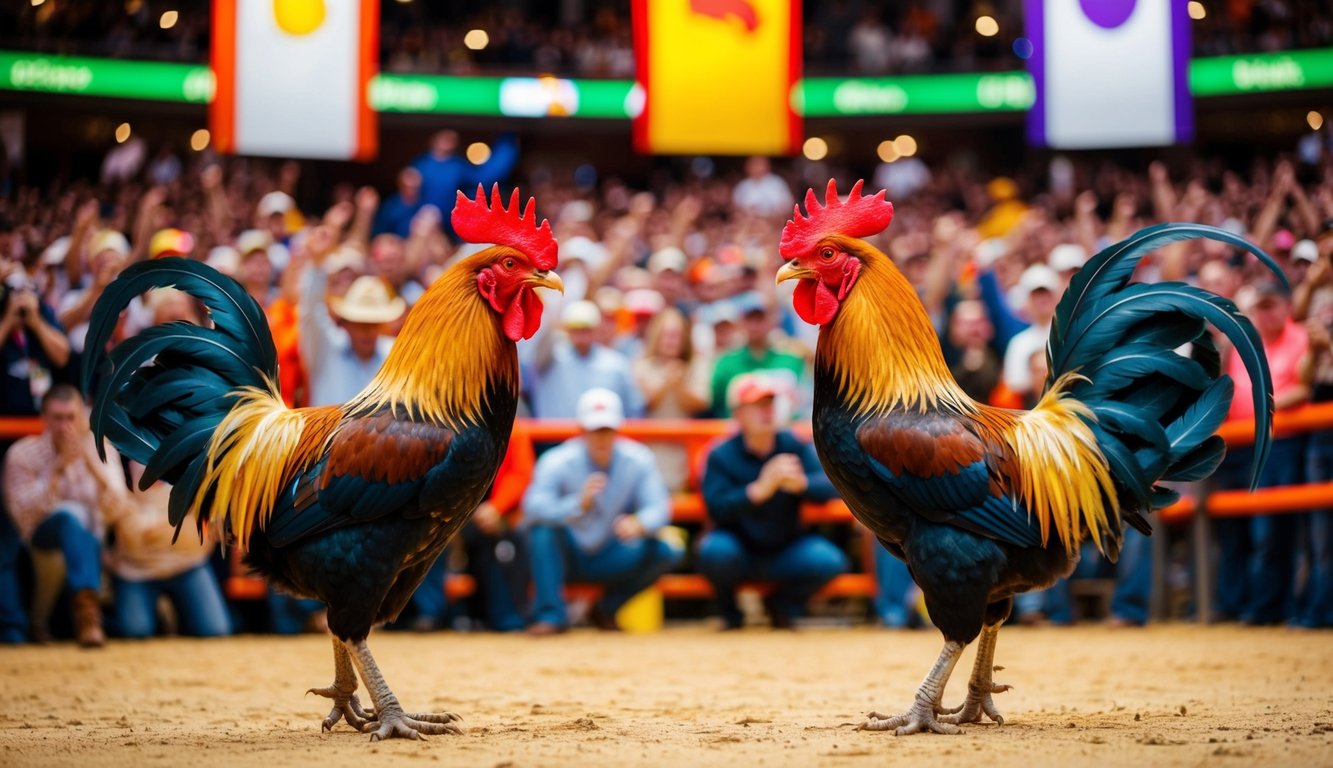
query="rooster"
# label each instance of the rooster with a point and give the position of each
(349, 504)
(983, 503)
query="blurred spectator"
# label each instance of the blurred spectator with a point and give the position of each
(33, 346)
(592, 514)
(61, 497)
(753, 486)
(564, 369)
(1314, 305)
(758, 355)
(147, 563)
(341, 356)
(975, 365)
(1042, 287)
(444, 172)
(762, 192)
(388, 258)
(674, 381)
(1256, 557)
(396, 211)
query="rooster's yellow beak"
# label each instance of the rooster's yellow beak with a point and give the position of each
(547, 279)
(793, 270)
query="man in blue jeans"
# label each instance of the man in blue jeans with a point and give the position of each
(60, 496)
(753, 486)
(591, 513)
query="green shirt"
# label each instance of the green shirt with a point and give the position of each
(739, 361)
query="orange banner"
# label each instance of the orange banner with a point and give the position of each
(717, 76)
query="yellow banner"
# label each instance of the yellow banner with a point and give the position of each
(717, 76)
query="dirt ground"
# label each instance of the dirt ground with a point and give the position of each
(1166, 696)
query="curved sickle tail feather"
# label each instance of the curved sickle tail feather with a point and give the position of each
(1155, 410)
(161, 394)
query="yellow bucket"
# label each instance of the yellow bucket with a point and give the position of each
(643, 613)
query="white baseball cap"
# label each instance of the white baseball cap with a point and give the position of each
(1067, 256)
(1039, 276)
(276, 201)
(1305, 250)
(669, 258)
(599, 408)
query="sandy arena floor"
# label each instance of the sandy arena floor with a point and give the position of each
(1167, 696)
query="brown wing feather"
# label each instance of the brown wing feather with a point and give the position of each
(381, 448)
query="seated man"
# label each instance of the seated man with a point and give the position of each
(146, 565)
(61, 496)
(753, 486)
(592, 510)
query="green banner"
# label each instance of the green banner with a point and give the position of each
(620, 100)
(916, 94)
(1262, 73)
(150, 80)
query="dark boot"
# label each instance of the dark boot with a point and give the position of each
(88, 619)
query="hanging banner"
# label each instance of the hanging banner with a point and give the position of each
(293, 78)
(717, 76)
(1109, 73)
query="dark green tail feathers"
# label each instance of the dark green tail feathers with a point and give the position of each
(1157, 410)
(160, 394)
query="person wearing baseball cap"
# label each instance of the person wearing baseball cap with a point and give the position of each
(753, 486)
(563, 369)
(592, 513)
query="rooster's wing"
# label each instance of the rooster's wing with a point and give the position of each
(940, 467)
(373, 466)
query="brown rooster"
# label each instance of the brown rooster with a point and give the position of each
(984, 503)
(349, 504)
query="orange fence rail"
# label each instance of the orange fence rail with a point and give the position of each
(697, 435)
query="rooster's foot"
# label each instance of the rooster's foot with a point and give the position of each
(978, 702)
(921, 717)
(413, 725)
(345, 706)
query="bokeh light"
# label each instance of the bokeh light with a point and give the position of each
(478, 152)
(815, 148)
(887, 151)
(476, 39)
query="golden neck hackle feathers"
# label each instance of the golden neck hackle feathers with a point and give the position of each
(881, 346)
(449, 353)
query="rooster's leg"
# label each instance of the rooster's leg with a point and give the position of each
(981, 685)
(921, 715)
(343, 692)
(390, 719)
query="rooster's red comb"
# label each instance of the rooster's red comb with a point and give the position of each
(475, 222)
(858, 217)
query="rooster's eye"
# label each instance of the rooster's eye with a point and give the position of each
(827, 253)
(509, 263)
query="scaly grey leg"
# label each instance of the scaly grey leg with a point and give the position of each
(981, 685)
(921, 715)
(343, 692)
(391, 720)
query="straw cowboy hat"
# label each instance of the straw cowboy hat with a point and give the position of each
(368, 301)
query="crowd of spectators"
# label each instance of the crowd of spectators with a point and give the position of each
(593, 39)
(670, 311)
